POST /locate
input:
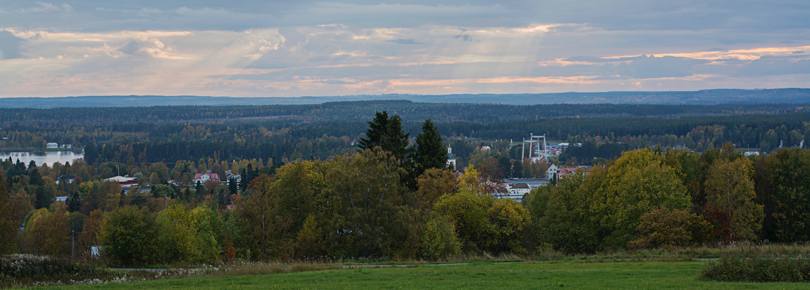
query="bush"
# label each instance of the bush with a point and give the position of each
(439, 240)
(128, 236)
(483, 223)
(754, 269)
(670, 228)
(21, 270)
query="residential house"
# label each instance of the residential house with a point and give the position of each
(552, 170)
(203, 177)
(124, 182)
(65, 179)
(568, 171)
(485, 149)
(230, 176)
(53, 145)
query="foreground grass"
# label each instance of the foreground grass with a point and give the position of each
(640, 275)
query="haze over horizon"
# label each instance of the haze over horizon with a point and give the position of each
(312, 48)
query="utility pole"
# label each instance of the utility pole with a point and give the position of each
(73, 243)
(522, 150)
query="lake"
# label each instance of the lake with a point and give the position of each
(42, 157)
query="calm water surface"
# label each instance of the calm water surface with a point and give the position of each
(42, 157)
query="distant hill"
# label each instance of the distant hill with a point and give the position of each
(704, 97)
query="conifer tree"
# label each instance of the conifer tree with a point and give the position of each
(396, 140)
(75, 203)
(430, 153)
(376, 133)
(8, 227)
(35, 178)
(232, 188)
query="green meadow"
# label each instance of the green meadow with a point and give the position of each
(627, 275)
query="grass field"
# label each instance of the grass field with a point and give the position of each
(639, 275)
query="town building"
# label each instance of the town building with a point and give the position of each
(568, 171)
(124, 182)
(230, 176)
(65, 179)
(517, 188)
(203, 177)
(451, 159)
(551, 172)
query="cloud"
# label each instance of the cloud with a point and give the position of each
(656, 67)
(10, 45)
(404, 41)
(464, 37)
(47, 7)
(776, 65)
(152, 47)
(309, 47)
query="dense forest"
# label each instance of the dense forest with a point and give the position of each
(70, 118)
(307, 140)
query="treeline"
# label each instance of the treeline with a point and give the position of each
(396, 200)
(198, 226)
(360, 205)
(320, 140)
(653, 198)
(65, 118)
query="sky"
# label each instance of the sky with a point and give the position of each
(317, 48)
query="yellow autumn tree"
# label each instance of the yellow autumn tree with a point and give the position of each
(89, 235)
(309, 242)
(667, 228)
(431, 185)
(482, 222)
(729, 188)
(49, 233)
(636, 183)
(470, 180)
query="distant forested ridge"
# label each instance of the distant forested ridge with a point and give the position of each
(703, 97)
(363, 110)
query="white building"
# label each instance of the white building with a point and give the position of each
(518, 189)
(552, 170)
(203, 177)
(451, 159)
(53, 145)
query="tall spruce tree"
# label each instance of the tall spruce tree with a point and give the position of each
(396, 140)
(430, 153)
(43, 199)
(8, 227)
(376, 133)
(91, 153)
(232, 188)
(35, 178)
(74, 202)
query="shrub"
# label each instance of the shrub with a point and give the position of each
(758, 269)
(21, 270)
(483, 223)
(439, 240)
(670, 228)
(128, 236)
